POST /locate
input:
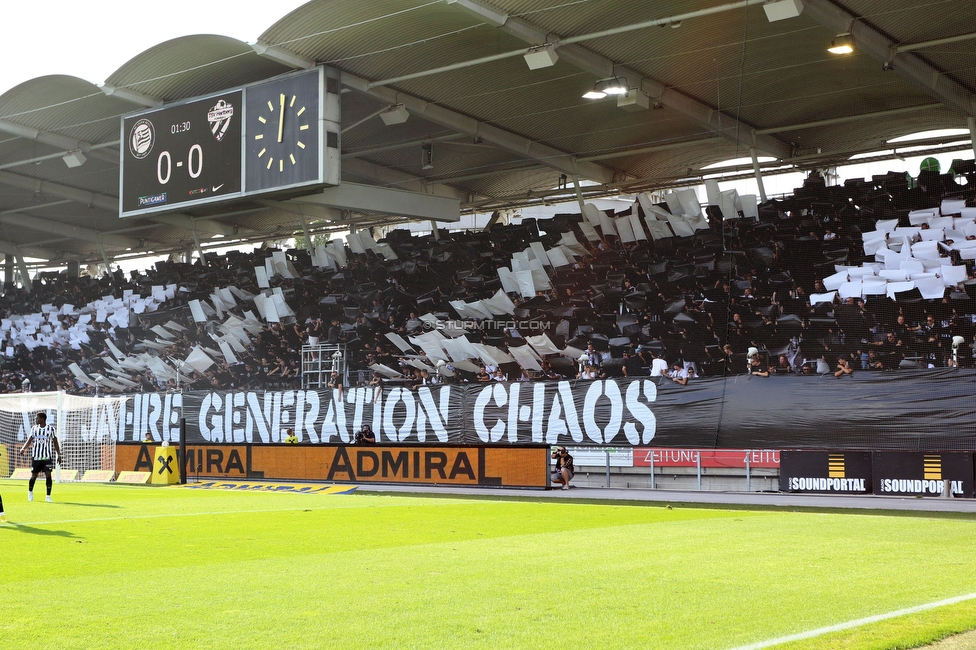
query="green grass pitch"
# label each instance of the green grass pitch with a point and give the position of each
(112, 566)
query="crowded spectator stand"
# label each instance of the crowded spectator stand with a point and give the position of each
(878, 272)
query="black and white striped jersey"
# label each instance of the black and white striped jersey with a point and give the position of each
(43, 447)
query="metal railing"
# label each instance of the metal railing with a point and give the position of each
(320, 361)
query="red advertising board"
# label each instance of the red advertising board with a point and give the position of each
(734, 458)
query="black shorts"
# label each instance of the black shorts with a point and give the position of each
(38, 466)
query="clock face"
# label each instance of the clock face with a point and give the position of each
(283, 136)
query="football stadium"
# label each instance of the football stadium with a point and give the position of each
(493, 323)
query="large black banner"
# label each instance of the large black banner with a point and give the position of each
(924, 410)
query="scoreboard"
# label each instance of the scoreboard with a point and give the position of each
(275, 136)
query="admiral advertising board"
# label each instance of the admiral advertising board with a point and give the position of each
(525, 467)
(911, 473)
(824, 472)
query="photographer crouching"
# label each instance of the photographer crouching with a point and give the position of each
(563, 472)
(365, 436)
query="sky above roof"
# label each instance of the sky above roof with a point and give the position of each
(92, 39)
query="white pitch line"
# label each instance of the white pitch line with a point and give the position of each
(197, 514)
(820, 631)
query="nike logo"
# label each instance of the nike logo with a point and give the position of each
(216, 187)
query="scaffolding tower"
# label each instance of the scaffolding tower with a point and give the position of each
(320, 361)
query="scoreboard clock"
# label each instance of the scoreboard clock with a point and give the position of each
(277, 136)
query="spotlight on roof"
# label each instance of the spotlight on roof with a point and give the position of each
(543, 56)
(606, 87)
(782, 9)
(395, 114)
(843, 44)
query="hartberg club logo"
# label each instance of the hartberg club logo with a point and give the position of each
(521, 325)
(219, 118)
(142, 136)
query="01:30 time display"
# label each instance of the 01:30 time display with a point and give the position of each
(179, 127)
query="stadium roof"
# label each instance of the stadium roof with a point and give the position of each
(708, 81)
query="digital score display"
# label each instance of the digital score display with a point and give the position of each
(276, 136)
(182, 153)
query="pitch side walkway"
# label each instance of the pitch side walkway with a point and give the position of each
(766, 499)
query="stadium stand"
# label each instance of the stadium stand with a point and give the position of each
(879, 272)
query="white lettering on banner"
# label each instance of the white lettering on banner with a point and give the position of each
(233, 417)
(153, 413)
(916, 486)
(334, 424)
(259, 417)
(283, 416)
(210, 425)
(821, 484)
(497, 392)
(536, 412)
(377, 415)
(562, 400)
(305, 421)
(389, 425)
(514, 411)
(642, 413)
(601, 412)
(358, 398)
(101, 425)
(427, 410)
(163, 423)
(612, 392)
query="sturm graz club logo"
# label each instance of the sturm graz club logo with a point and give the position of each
(219, 118)
(141, 139)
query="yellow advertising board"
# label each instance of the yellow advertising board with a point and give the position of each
(521, 466)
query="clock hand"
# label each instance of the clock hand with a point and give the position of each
(281, 118)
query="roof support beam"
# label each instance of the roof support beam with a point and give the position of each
(19, 219)
(131, 96)
(24, 273)
(84, 197)
(387, 176)
(850, 118)
(471, 177)
(61, 142)
(875, 44)
(401, 145)
(602, 67)
(370, 199)
(9, 248)
(111, 204)
(622, 153)
(507, 140)
(908, 47)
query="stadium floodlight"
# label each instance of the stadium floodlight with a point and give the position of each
(843, 44)
(606, 87)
